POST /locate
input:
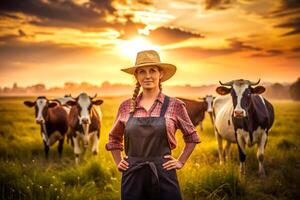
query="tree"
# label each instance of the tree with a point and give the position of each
(295, 90)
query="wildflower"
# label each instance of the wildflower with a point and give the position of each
(41, 187)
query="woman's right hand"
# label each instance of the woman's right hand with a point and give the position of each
(123, 165)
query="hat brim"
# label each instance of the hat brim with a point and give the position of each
(168, 69)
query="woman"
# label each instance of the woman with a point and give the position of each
(148, 123)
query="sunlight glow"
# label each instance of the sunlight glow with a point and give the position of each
(130, 48)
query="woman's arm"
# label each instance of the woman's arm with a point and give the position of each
(120, 162)
(174, 163)
(190, 136)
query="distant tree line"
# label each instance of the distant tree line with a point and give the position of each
(295, 90)
(273, 90)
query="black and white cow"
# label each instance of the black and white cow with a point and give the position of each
(53, 120)
(244, 117)
(85, 122)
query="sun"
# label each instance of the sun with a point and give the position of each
(130, 48)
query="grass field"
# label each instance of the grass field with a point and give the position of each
(25, 174)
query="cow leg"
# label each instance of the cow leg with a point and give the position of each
(260, 154)
(220, 147)
(226, 152)
(95, 143)
(242, 152)
(201, 126)
(60, 147)
(77, 150)
(46, 149)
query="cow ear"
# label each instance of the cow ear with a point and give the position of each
(71, 103)
(221, 90)
(258, 90)
(52, 104)
(29, 103)
(97, 102)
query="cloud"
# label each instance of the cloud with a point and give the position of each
(217, 4)
(129, 29)
(293, 24)
(296, 49)
(289, 9)
(17, 51)
(235, 45)
(168, 35)
(268, 53)
(238, 45)
(60, 13)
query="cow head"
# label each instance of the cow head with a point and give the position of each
(241, 91)
(209, 100)
(41, 105)
(84, 104)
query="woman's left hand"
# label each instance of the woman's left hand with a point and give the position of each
(173, 163)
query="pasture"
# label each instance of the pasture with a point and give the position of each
(25, 174)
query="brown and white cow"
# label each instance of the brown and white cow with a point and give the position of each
(244, 117)
(209, 99)
(196, 109)
(85, 122)
(53, 120)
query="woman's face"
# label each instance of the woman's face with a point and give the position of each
(149, 76)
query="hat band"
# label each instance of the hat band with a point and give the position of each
(146, 62)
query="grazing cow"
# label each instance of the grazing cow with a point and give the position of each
(53, 120)
(63, 101)
(209, 100)
(244, 118)
(196, 110)
(84, 122)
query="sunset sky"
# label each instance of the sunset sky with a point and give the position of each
(55, 41)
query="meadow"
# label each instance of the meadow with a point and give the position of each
(25, 174)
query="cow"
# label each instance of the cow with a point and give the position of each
(63, 100)
(84, 122)
(196, 110)
(209, 100)
(53, 120)
(244, 117)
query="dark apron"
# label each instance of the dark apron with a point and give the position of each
(145, 145)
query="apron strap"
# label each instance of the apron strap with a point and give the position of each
(164, 106)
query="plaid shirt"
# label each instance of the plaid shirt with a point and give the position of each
(176, 118)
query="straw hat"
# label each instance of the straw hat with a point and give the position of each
(149, 58)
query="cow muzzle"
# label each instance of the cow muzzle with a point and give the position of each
(209, 110)
(85, 121)
(40, 121)
(239, 113)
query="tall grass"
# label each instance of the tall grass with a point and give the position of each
(25, 174)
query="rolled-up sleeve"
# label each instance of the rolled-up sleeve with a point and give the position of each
(185, 124)
(115, 138)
